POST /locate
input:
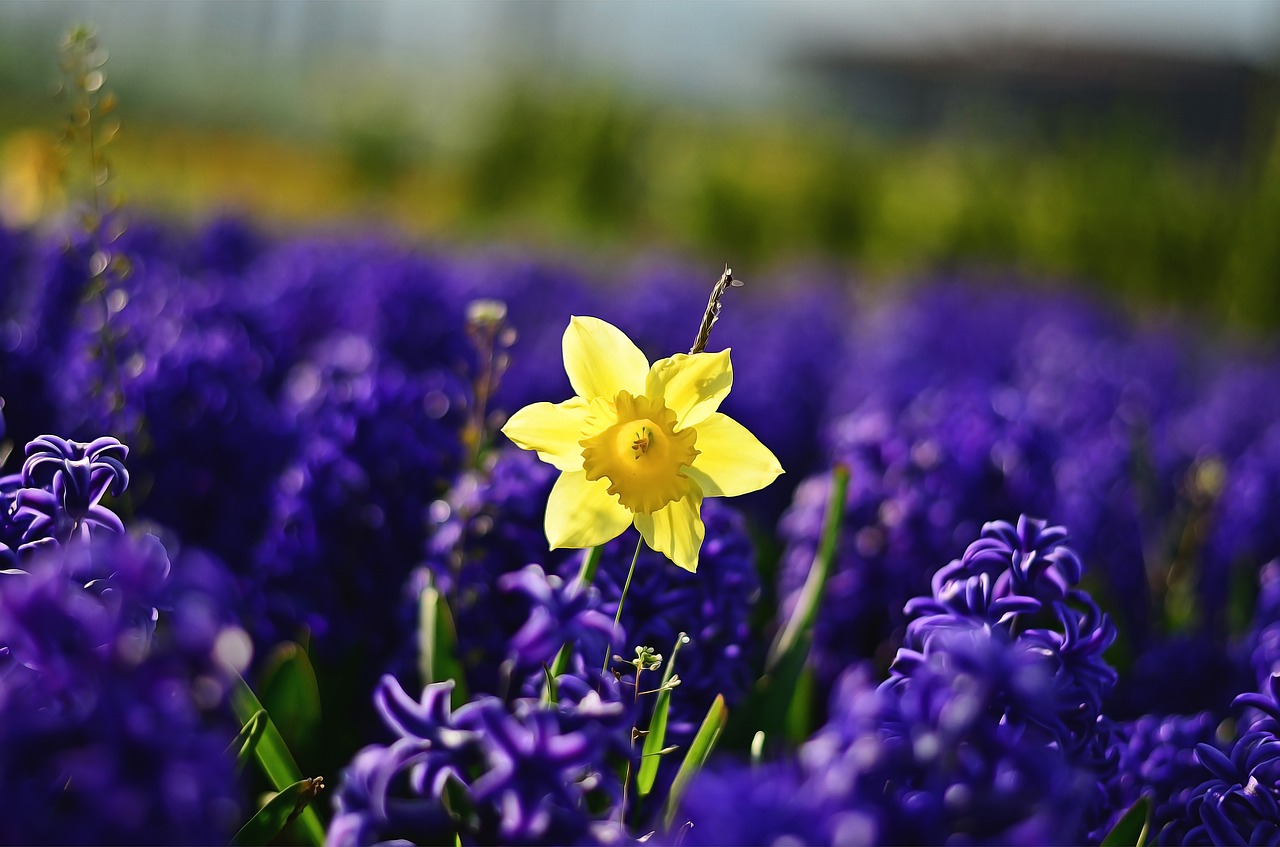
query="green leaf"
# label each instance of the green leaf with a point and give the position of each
(800, 709)
(246, 741)
(273, 755)
(291, 694)
(276, 814)
(1133, 827)
(699, 751)
(800, 623)
(778, 691)
(780, 703)
(653, 742)
(550, 692)
(438, 644)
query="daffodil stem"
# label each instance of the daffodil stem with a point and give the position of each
(626, 586)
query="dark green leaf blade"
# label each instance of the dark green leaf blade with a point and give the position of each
(273, 755)
(1132, 828)
(291, 694)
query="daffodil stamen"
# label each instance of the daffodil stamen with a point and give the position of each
(641, 454)
(641, 444)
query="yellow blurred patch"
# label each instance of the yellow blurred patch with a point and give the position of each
(30, 177)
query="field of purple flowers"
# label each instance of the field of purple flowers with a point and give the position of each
(1046, 611)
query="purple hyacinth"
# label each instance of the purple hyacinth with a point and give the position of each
(988, 728)
(962, 751)
(922, 483)
(1238, 801)
(524, 773)
(1018, 581)
(113, 702)
(560, 612)
(489, 524)
(1157, 759)
(57, 497)
(348, 518)
(924, 759)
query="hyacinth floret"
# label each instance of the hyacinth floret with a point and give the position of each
(428, 724)
(63, 484)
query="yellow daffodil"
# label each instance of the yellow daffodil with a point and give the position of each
(638, 444)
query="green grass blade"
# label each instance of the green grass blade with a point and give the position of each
(800, 623)
(292, 801)
(653, 742)
(246, 740)
(778, 705)
(699, 751)
(1133, 827)
(273, 755)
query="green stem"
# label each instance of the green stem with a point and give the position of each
(626, 586)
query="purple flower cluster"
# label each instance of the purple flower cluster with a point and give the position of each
(306, 409)
(959, 404)
(988, 727)
(559, 613)
(1157, 759)
(493, 772)
(58, 494)
(113, 710)
(491, 526)
(1239, 801)
(114, 720)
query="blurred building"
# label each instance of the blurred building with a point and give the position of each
(1050, 91)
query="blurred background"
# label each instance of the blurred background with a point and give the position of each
(1131, 147)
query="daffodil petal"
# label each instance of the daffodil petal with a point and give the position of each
(553, 429)
(676, 531)
(600, 360)
(581, 513)
(691, 386)
(730, 460)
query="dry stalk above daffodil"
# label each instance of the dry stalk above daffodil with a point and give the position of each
(638, 444)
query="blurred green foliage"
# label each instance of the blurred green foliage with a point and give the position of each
(1121, 207)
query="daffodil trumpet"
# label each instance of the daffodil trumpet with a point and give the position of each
(639, 445)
